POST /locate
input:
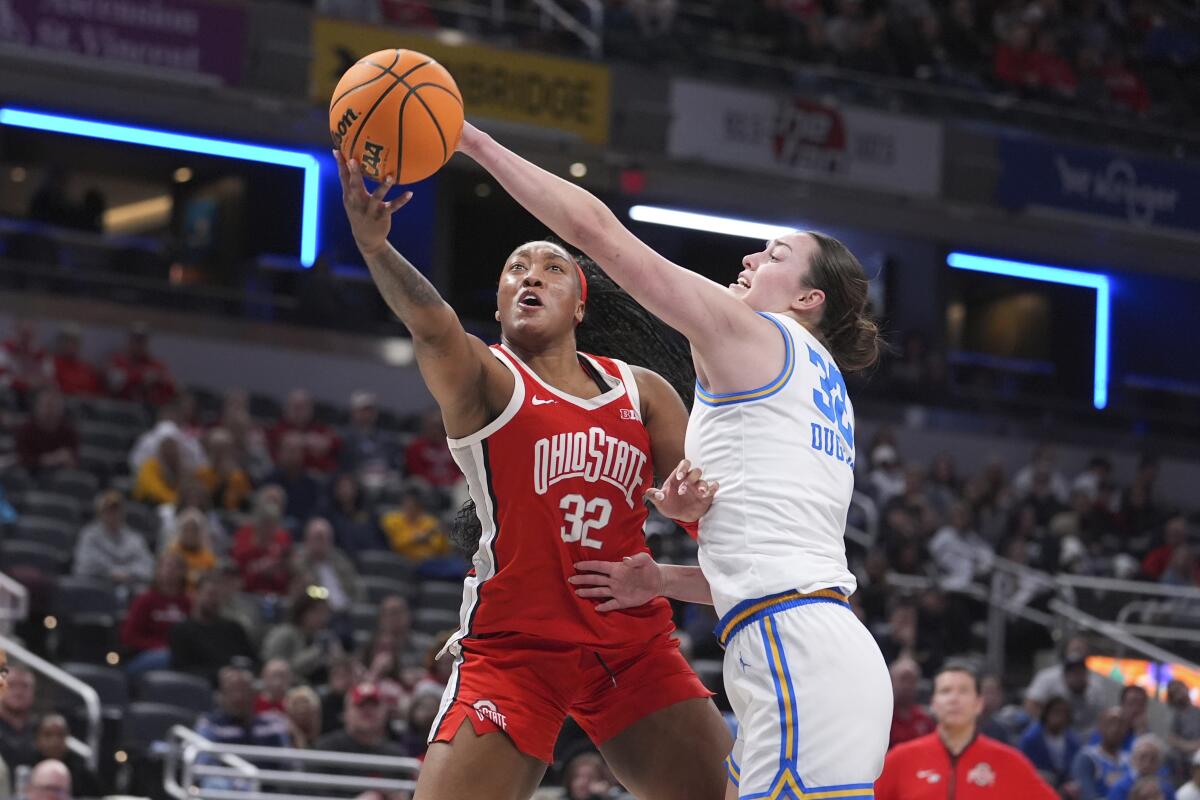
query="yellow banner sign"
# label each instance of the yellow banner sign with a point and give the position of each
(548, 92)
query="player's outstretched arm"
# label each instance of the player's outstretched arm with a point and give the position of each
(698, 308)
(452, 361)
(638, 579)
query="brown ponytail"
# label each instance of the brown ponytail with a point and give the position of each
(850, 333)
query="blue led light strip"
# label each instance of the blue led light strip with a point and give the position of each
(1068, 277)
(149, 137)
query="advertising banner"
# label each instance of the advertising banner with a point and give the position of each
(559, 94)
(792, 135)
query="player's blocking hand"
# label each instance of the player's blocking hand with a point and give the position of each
(631, 582)
(369, 212)
(684, 495)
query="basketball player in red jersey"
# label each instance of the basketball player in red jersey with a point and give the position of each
(559, 449)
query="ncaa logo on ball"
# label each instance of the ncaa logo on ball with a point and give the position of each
(372, 155)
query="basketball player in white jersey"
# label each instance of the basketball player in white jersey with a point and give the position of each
(774, 427)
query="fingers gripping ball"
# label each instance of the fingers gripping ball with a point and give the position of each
(398, 113)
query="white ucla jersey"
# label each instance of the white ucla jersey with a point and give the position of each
(784, 457)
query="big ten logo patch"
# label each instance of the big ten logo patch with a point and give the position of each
(343, 127)
(371, 157)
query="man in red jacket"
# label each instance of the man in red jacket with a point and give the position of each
(152, 615)
(956, 762)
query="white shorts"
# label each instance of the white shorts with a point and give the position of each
(812, 696)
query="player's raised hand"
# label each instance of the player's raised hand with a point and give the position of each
(631, 582)
(684, 495)
(370, 213)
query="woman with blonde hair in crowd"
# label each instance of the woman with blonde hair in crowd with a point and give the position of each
(191, 543)
(303, 709)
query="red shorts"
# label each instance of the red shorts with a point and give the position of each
(526, 686)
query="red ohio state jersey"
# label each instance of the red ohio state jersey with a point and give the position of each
(557, 479)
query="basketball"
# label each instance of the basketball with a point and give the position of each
(398, 113)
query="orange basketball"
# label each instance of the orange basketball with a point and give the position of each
(398, 113)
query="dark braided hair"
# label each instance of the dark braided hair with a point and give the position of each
(614, 325)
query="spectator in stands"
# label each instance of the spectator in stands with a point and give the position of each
(899, 637)
(153, 614)
(1072, 680)
(1050, 744)
(1184, 737)
(240, 607)
(1182, 569)
(344, 673)
(193, 497)
(110, 549)
(422, 711)
(1139, 507)
(191, 545)
(1097, 473)
(1054, 74)
(305, 641)
(1134, 708)
(960, 553)
(207, 642)
(992, 691)
(49, 780)
(24, 365)
(134, 374)
(319, 445)
(1145, 761)
(367, 451)
(909, 718)
(412, 531)
(887, 477)
(1126, 91)
(48, 441)
(227, 484)
(249, 441)
(160, 476)
(303, 710)
(303, 490)
(407, 647)
(171, 423)
(365, 728)
(354, 529)
(956, 754)
(428, 456)
(51, 743)
(1174, 536)
(72, 374)
(235, 721)
(586, 776)
(1099, 766)
(1043, 466)
(275, 680)
(317, 562)
(17, 722)
(1191, 789)
(1011, 65)
(261, 549)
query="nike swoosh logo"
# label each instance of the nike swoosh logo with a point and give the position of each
(537, 401)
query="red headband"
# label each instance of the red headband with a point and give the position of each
(582, 284)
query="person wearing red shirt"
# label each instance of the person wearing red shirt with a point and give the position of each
(428, 456)
(1174, 535)
(48, 441)
(1125, 88)
(153, 613)
(276, 679)
(909, 719)
(956, 762)
(73, 375)
(134, 374)
(261, 549)
(23, 364)
(1011, 63)
(1054, 73)
(321, 444)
